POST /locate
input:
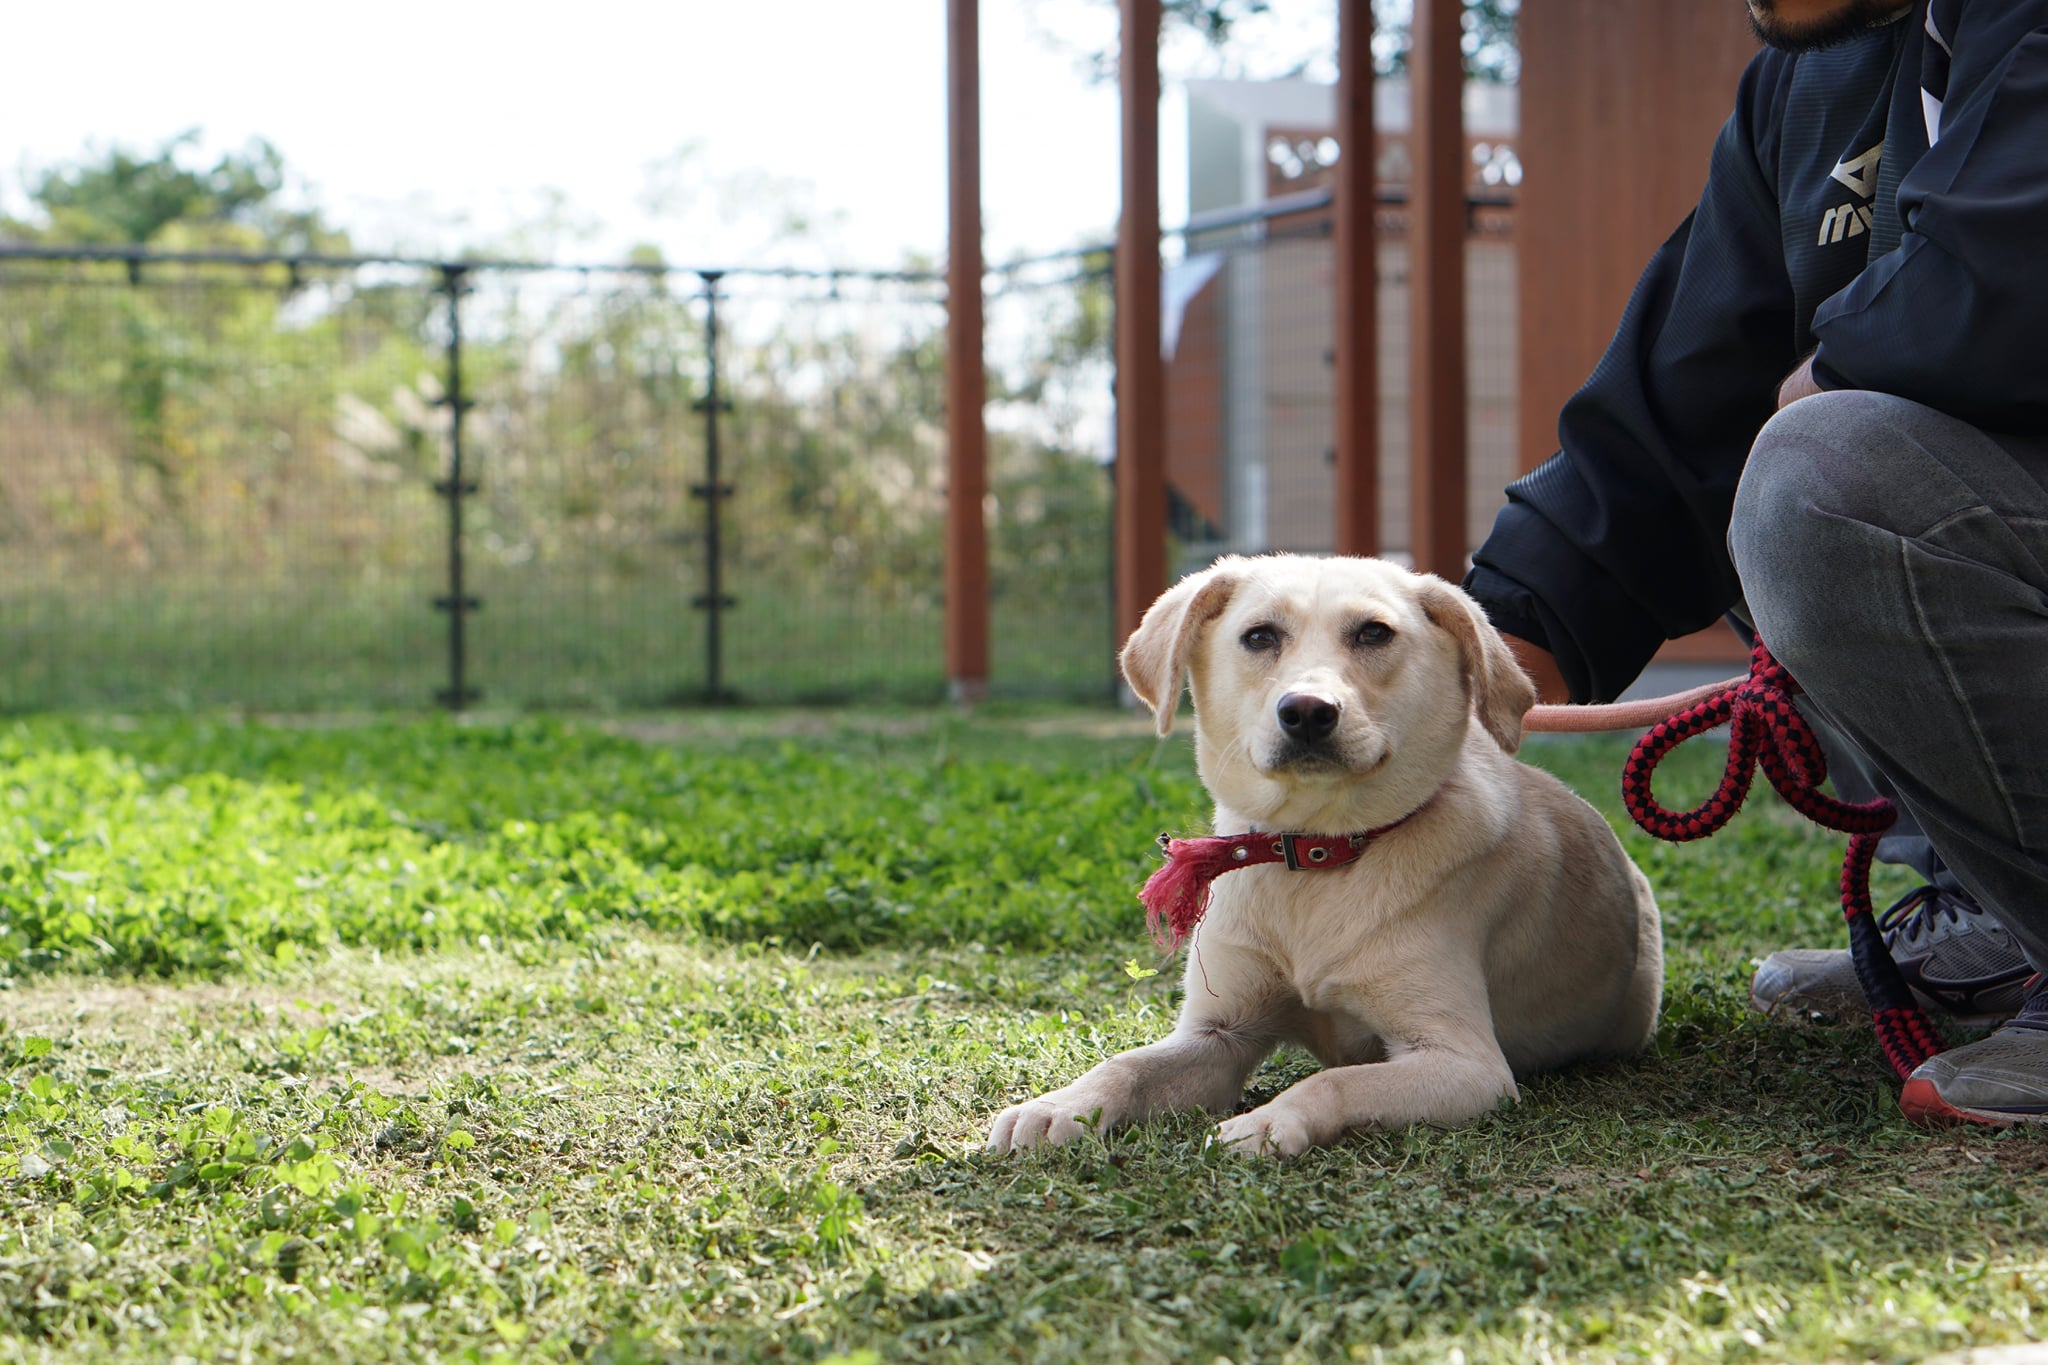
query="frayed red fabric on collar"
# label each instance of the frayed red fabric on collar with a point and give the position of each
(1177, 895)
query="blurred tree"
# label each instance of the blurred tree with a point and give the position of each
(1491, 52)
(175, 426)
(1259, 41)
(171, 197)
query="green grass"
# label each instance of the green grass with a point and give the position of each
(676, 1040)
(562, 636)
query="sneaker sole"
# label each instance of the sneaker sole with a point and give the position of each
(1921, 1103)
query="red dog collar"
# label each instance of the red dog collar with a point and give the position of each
(1177, 894)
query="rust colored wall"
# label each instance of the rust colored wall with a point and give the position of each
(1620, 106)
(1194, 407)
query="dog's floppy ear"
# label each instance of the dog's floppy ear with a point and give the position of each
(1501, 692)
(1155, 658)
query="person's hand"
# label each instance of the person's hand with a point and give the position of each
(1798, 384)
(1541, 666)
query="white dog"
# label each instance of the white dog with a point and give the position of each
(1491, 925)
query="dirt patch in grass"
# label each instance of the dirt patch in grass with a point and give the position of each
(1095, 725)
(2020, 1152)
(99, 1008)
(701, 726)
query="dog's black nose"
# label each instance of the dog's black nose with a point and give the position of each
(1307, 717)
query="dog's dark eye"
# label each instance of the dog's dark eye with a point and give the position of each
(1259, 639)
(1373, 633)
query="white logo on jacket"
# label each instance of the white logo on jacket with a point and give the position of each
(1844, 221)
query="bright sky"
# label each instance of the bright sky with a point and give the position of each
(438, 125)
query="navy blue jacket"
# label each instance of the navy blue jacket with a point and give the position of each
(1881, 205)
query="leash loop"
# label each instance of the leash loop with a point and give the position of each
(1766, 730)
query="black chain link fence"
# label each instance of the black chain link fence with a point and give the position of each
(311, 484)
(295, 485)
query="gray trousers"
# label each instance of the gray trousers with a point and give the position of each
(1896, 561)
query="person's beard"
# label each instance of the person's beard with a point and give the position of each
(1844, 23)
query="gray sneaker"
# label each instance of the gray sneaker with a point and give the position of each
(1960, 962)
(2000, 1080)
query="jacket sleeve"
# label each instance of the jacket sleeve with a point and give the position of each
(1954, 316)
(1618, 542)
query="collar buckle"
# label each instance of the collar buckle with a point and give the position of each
(1290, 848)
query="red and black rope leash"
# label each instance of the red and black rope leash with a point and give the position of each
(1766, 728)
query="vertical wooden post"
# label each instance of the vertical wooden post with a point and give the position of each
(966, 552)
(1357, 279)
(1436, 275)
(1140, 372)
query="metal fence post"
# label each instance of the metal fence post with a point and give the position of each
(714, 600)
(457, 603)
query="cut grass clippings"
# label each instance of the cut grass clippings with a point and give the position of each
(417, 1040)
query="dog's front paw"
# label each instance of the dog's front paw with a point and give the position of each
(1044, 1122)
(1270, 1130)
